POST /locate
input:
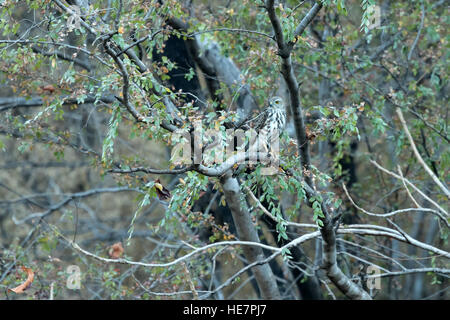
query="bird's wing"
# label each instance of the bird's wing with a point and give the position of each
(258, 121)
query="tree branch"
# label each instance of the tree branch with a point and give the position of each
(7, 103)
(333, 272)
(284, 51)
(419, 157)
(246, 231)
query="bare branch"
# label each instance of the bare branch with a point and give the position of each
(406, 187)
(392, 213)
(267, 213)
(7, 103)
(63, 56)
(419, 157)
(152, 171)
(416, 40)
(409, 271)
(65, 8)
(247, 231)
(410, 184)
(69, 198)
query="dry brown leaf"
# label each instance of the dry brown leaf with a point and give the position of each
(116, 250)
(49, 88)
(24, 286)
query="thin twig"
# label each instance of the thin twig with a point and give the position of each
(392, 213)
(410, 184)
(418, 156)
(270, 215)
(406, 187)
(416, 40)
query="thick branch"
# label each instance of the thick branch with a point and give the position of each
(247, 232)
(333, 272)
(284, 51)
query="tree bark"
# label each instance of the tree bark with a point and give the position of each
(247, 232)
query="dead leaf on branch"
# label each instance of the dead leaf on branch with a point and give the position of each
(48, 88)
(116, 250)
(24, 286)
(161, 191)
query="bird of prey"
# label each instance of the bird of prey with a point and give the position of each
(268, 125)
(272, 117)
(270, 122)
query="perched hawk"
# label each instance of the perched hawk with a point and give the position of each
(271, 118)
(268, 126)
(270, 122)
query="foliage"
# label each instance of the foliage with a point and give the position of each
(83, 104)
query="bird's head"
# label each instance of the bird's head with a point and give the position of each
(276, 102)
